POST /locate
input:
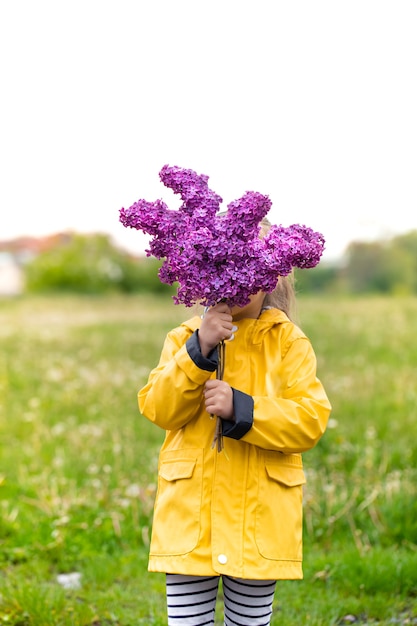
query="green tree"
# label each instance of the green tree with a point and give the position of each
(365, 267)
(323, 278)
(407, 246)
(380, 267)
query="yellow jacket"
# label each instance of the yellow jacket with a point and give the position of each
(237, 512)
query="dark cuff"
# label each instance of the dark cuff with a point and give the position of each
(243, 408)
(208, 363)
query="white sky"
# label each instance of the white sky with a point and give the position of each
(312, 102)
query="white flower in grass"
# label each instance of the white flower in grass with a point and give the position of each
(72, 580)
(133, 491)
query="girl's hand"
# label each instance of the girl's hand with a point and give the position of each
(219, 399)
(216, 326)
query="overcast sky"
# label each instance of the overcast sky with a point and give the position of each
(312, 102)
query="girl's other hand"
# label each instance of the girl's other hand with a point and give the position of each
(218, 397)
(217, 325)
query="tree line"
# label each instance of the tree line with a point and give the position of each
(93, 264)
(385, 267)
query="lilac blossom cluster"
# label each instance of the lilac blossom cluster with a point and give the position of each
(214, 256)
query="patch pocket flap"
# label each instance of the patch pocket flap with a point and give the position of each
(177, 470)
(288, 476)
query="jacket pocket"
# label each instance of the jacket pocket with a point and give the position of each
(279, 511)
(176, 523)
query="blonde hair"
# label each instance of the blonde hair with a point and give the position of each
(283, 296)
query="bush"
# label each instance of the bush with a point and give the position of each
(91, 264)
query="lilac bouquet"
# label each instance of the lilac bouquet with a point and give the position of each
(219, 257)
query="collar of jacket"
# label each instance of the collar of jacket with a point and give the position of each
(258, 327)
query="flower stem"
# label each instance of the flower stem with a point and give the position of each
(218, 433)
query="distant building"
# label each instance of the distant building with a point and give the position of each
(11, 275)
(15, 253)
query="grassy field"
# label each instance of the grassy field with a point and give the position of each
(78, 464)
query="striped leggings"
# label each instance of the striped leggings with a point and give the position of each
(191, 600)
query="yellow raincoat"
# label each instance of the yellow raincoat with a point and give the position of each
(237, 512)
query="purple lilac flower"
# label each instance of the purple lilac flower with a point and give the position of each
(216, 257)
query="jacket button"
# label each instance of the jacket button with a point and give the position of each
(222, 559)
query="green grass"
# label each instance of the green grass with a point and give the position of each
(78, 463)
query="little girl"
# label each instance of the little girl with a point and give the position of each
(237, 513)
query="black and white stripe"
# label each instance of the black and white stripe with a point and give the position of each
(191, 600)
(246, 600)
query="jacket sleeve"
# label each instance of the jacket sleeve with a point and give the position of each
(174, 391)
(296, 419)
